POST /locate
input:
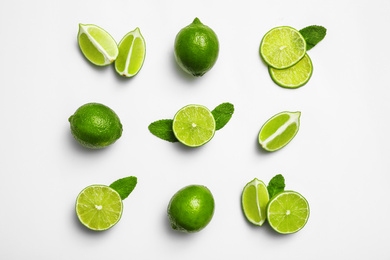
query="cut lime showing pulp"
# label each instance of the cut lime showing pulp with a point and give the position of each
(194, 125)
(295, 76)
(99, 207)
(97, 45)
(132, 51)
(254, 200)
(279, 130)
(282, 47)
(288, 212)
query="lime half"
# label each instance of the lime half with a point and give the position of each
(282, 47)
(254, 200)
(288, 212)
(99, 207)
(194, 125)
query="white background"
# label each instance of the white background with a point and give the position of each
(339, 159)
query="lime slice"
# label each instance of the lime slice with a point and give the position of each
(194, 125)
(132, 51)
(99, 207)
(288, 212)
(97, 45)
(282, 47)
(254, 200)
(295, 76)
(279, 130)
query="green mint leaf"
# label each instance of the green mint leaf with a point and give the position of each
(163, 129)
(124, 186)
(222, 114)
(275, 185)
(313, 34)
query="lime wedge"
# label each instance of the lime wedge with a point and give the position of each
(194, 125)
(288, 212)
(282, 47)
(132, 51)
(295, 76)
(97, 45)
(254, 201)
(279, 130)
(99, 207)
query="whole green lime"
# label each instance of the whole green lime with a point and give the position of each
(191, 208)
(196, 48)
(95, 126)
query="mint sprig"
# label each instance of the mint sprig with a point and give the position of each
(276, 185)
(124, 186)
(313, 34)
(222, 114)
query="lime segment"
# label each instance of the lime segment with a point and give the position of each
(254, 201)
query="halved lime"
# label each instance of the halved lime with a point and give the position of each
(288, 212)
(99, 207)
(295, 76)
(97, 45)
(132, 51)
(254, 200)
(279, 130)
(194, 125)
(282, 47)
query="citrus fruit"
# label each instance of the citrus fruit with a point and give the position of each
(95, 126)
(254, 201)
(97, 45)
(294, 76)
(279, 130)
(196, 48)
(282, 47)
(132, 51)
(194, 125)
(99, 207)
(288, 212)
(191, 208)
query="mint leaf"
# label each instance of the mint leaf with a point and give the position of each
(222, 114)
(124, 186)
(313, 34)
(275, 185)
(163, 129)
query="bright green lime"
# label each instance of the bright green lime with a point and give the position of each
(95, 126)
(97, 45)
(254, 200)
(99, 207)
(191, 208)
(194, 125)
(196, 48)
(288, 212)
(282, 47)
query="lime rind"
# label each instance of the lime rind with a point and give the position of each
(255, 213)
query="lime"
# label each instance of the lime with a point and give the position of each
(196, 48)
(191, 208)
(95, 126)
(97, 45)
(132, 51)
(254, 201)
(279, 130)
(288, 212)
(194, 125)
(99, 207)
(282, 47)
(295, 76)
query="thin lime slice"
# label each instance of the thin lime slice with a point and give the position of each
(282, 47)
(132, 51)
(97, 45)
(295, 76)
(99, 207)
(288, 212)
(279, 130)
(254, 200)
(194, 125)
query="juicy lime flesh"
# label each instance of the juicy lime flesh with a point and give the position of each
(284, 137)
(105, 40)
(273, 125)
(99, 207)
(124, 49)
(194, 125)
(288, 212)
(254, 202)
(90, 50)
